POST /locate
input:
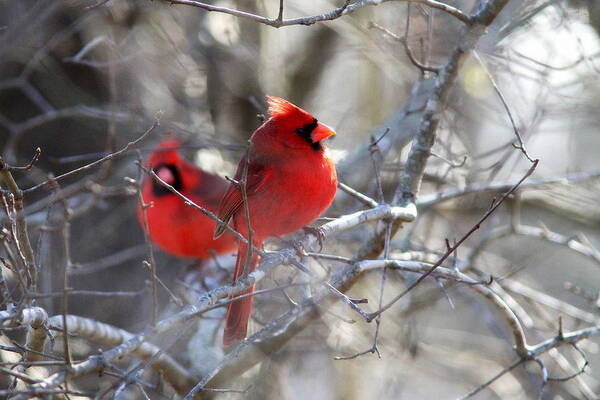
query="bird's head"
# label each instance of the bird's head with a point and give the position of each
(166, 162)
(294, 127)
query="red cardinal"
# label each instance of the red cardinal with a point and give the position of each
(291, 181)
(177, 228)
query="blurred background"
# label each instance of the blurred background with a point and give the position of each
(80, 79)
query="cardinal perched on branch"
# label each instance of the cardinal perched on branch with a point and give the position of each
(173, 226)
(290, 181)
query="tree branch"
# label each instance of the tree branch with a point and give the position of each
(347, 8)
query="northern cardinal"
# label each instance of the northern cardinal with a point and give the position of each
(291, 180)
(173, 226)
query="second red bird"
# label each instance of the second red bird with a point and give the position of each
(173, 226)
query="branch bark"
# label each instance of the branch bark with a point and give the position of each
(347, 8)
(38, 321)
(410, 182)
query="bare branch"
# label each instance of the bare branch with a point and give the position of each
(357, 195)
(127, 147)
(22, 236)
(457, 244)
(521, 144)
(347, 8)
(434, 198)
(103, 333)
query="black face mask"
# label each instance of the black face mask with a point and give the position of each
(305, 133)
(177, 183)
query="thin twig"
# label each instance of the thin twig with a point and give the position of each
(20, 226)
(428, 200)
(458, 243)
(203, 210)
(97, 293)
(243, 187)
(347, 8)
(150, 263)
(493, 379)
(108, 157)
(66, 239)
(521, 144)
(34, 159)
(363, 198)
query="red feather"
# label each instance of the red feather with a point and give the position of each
(173, 226)
(238, 313)
(291, 181)
(232, 201)
(279, 107)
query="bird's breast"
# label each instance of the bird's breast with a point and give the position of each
(294, 197)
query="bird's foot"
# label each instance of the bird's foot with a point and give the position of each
(297, 245)
(318, 232)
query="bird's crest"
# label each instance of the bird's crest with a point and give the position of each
(166, 152)
(169, 143)
(279, 107)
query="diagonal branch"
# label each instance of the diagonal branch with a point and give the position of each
(452, 249)
(410, 182)
(37, 319)
(211, 299)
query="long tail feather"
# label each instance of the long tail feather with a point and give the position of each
(238, 312)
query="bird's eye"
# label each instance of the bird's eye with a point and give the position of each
(306, 131)
(170, 175)
(165, 174)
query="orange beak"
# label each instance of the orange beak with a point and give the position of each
(321, 132)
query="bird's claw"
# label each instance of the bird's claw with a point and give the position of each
(318, 232)
(299, 247)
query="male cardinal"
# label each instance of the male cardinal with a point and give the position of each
(173, 226)
(291, 180)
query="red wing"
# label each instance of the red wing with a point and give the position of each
(232, 200)
(209, 191)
